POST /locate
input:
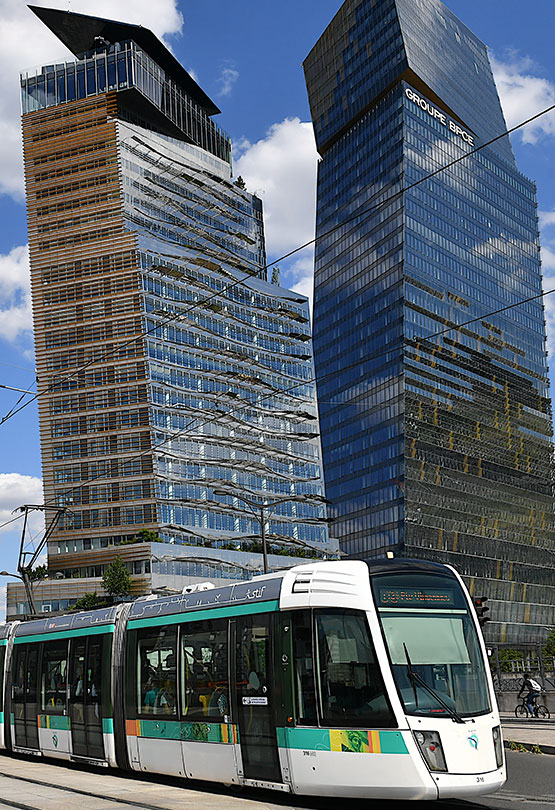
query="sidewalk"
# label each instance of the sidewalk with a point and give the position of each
(529, 732)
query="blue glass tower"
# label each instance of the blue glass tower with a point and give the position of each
(436, 434)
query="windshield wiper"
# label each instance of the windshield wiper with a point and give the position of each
(416, 678)
(411, 673)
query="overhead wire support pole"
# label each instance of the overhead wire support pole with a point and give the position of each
(20, 390)
(24, 568)
(23, 571)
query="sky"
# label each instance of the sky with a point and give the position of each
(248, 57)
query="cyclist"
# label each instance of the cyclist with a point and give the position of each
(534, 689)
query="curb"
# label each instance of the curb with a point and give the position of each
(544, 749)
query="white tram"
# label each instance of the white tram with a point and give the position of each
(331, 678)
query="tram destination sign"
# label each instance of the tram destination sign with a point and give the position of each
(416, 597)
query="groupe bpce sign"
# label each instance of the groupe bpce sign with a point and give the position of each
(439, 116)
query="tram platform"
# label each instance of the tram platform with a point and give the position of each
(529, 732)
(28, 783)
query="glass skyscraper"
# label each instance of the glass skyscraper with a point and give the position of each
(172, 372)
(434, 404)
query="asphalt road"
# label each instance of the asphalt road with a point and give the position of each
(31, 784)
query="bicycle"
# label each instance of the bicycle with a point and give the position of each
(540, 710)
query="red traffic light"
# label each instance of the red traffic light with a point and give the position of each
(481, 609)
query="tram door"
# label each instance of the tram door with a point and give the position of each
(85, 697)
(24, 695)
(257, 734)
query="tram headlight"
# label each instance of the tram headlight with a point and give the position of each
(498, 745)
(430, 747)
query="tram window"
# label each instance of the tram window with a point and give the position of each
(352, 691)
(157, 671)
(303, 662)
(205, 687)
(53, 681)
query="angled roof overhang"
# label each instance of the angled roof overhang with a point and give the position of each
(79, 31)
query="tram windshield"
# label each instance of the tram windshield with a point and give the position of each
(433, 645)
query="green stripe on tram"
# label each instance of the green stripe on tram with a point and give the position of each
(208, 613)
(62, 634)
(3, 642)
(356, 741)
(1, 718)
(58, 722)
(185, 731)
(107, 725)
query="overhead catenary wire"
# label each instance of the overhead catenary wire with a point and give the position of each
(287, 255)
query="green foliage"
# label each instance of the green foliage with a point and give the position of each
(536, 749)
(549, 647)
(117, 579)
(88, 602)
(506, 656)
(275, 275)
(516, 746)
(144, 536)
(40, 572)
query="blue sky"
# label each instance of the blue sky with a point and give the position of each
(247, 56)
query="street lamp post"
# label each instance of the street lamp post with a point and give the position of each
(28, 588)
(257, 505)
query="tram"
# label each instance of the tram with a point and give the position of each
(330, 678)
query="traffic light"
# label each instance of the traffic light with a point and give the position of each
(481, 609)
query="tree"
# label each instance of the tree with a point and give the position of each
(275, 275)
(88, 602)
(144, 536)
(240, 183)
(117, 579)
(40, 572)
(549, 647)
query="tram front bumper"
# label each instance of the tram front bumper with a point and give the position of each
(465, 785)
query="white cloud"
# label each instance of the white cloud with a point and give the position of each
(523, 95)
(547, 219)
(15, 294)
(548, 271)
(26, 43)
(228, 77)
(300, 274)
(15, 490)
(548, 258)
(281, 168)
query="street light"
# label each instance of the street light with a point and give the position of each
(205, 561)
(28, 588)
(257, 505)
(275, 539)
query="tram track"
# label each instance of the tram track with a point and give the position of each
(67, 789)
